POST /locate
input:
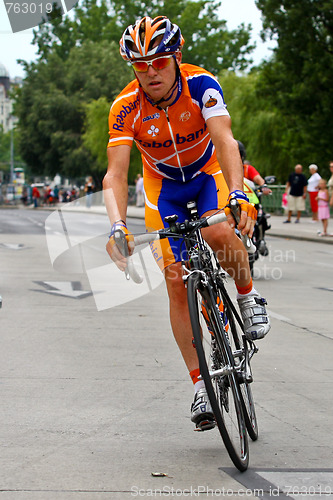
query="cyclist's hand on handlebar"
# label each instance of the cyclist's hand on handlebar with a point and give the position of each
(247, 213)
(265, 189)
(118, 252)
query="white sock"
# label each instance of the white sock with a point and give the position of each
(199, 385)
(253, 292)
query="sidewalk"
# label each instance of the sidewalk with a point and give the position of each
(305, 230)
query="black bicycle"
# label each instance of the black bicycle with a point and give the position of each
(223, 351)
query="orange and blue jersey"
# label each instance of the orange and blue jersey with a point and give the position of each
(174, 143)
(178, 155)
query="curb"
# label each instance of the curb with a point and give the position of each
(301, 237)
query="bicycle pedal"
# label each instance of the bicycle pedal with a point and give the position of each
(242, 378)
(205, 425)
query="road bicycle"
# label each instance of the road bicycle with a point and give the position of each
(223, 351)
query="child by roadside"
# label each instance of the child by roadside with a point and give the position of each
(323, 206)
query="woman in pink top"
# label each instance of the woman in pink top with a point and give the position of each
(323, 206)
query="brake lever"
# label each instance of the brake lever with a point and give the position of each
(130, 271)
(120, 240)
(247, 242)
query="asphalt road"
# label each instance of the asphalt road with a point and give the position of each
(95, 397)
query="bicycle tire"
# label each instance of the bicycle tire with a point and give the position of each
(223, 391)
(238, 344)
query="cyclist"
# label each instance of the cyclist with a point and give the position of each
(250, 172)
(177, 117)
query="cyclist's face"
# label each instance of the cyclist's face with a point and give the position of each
(157, 83)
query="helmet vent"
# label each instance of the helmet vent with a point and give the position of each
(157, 20)
(173, 39)
(142, 31)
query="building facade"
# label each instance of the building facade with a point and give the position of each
(7, 120)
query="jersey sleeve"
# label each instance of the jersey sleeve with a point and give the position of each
(207, 93)
(123, 114)
(250, 172)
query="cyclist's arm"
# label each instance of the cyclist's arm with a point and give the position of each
(115, 191)
(115, 183)
(258, 180)
(261, 182)
(227, 153)
(253, 175)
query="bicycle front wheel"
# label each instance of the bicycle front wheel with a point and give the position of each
(241, 349)
(217, 369)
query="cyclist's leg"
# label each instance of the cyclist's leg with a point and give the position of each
(233, 258)
(179, 315)
(201, 411)
(221, 238)
(163, 199)
(230, 252)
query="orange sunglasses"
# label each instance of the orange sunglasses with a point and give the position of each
(158, 63)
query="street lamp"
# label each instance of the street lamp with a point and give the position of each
(12, 154)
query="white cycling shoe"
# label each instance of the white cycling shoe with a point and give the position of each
(201, 411)
(254, 315)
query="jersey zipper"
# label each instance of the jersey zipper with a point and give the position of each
(174, 143)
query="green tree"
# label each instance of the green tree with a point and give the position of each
(5, 153)
(256, 123)
(79, 70)
(51, 106)
(96, 130)
(298, 80)
(208, 42)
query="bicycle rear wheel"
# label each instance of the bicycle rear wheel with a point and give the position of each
(241, 349)
(217, 369)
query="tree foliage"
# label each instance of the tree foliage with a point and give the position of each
(208, 42)
(256, 123)
(51, 106)
(298, 80)
(282, 110)
(61, 106)
(5, 152)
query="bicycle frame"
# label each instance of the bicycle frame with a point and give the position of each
(200, 260)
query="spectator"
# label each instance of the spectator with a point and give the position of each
(56, 194)
(296, 186)
(330, 184)
(313, 182)
(323, 206)
(89, 189)
(24, 196)
(35, 196)
(284, 203)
